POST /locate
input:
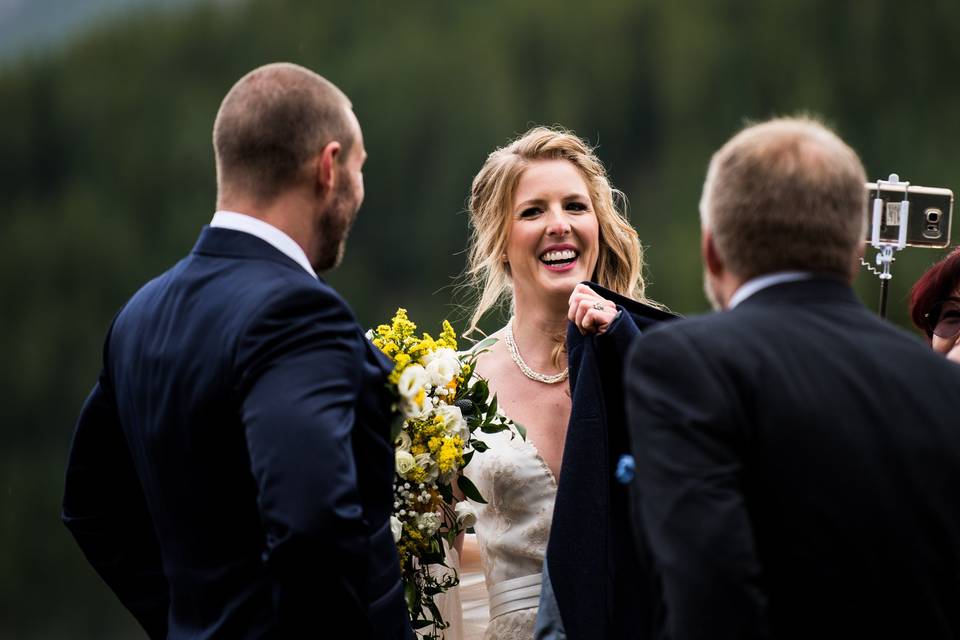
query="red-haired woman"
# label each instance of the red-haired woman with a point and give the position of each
(935, 305)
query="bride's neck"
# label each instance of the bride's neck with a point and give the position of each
(537, 330)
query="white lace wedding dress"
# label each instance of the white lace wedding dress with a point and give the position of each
(512, 530)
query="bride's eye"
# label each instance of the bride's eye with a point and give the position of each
(576, 205)
(529, 212)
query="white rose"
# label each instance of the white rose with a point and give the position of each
(442, 366)
(412, 381)
(425, 462)
(396, 528)
(466, 514)
(405, 462)
(454, 422)
(428, 523)
(403, 441)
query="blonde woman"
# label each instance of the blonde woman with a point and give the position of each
(544, 220)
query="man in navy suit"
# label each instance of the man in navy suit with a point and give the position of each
(797, 458)
(231, 471)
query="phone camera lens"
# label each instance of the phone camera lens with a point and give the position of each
(933, 216)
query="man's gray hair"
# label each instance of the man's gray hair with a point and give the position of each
(786, 194)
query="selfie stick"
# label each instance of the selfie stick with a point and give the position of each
(885, 248)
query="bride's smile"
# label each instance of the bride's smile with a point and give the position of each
(560, 257)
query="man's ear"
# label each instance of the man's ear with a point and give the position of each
(708, 251)
(327, 167)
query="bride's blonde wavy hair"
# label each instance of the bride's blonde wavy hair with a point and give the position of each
(620, 263)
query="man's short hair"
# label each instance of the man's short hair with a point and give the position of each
(271, 122)
(787, 194)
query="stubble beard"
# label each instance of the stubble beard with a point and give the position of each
(335, 228)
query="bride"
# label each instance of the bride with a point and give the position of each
(544, 219)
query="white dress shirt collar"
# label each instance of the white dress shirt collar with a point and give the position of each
(754, 285)
(266, 232)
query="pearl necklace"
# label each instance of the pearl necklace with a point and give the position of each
(524, 367)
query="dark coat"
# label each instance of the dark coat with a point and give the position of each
(798, 465)
(602, 585)
(231, 472)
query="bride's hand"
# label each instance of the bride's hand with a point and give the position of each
(589, 311)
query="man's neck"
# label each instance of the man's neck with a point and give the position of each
(284, 212)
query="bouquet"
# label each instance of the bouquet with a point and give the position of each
(440, 404)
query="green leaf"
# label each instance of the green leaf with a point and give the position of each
(470, 490)
(522, 430)
(410, 594)
(493, 427)
(484, 344)
(478, 445)
(492, 409)
(479, 392)
(468, 456)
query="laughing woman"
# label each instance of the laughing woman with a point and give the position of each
(544, 219)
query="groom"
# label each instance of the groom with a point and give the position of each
(797, 458)
(231, 471)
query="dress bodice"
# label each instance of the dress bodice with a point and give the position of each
(512, 528)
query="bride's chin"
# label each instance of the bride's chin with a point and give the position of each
(556, 293)
(564, 285)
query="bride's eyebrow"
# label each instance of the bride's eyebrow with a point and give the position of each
(529, 202)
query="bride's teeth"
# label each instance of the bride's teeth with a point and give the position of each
(554, 256)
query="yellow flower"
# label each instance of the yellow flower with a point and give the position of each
(448, 337)
(417, 474)
(451, 454)
(422, 347)
(401, 325)
(400, 363)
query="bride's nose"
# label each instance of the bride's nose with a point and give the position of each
(557, 224)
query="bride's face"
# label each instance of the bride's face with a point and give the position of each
(553, 242)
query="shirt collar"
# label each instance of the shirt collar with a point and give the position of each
(759, 283)
(266, 232)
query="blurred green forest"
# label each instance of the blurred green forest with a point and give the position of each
(106, 172)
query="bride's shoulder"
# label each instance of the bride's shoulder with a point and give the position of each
(492, 355)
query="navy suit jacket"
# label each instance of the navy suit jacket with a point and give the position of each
(798, 465)
(231, 472)
(601, 582)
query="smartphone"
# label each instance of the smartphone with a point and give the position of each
(929, 220)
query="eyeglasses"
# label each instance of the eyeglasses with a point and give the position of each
(943, 319)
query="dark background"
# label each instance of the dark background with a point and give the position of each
(106, 168)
